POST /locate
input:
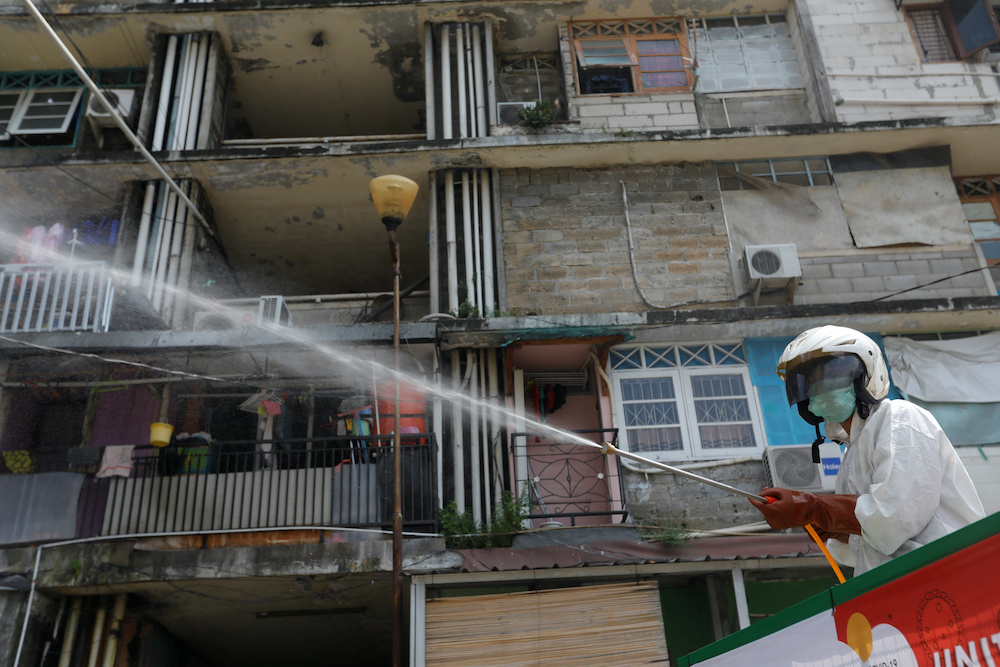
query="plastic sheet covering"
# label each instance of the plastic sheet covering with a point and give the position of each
(894, 207)
(40, 507)
(961, 370)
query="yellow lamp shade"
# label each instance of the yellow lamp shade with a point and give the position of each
(393, 196)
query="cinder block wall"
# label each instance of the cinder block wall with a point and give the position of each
(860, 277)
(670, 500)
(565, 242)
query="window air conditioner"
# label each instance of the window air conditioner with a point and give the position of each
(273, 310)
(507, 112)
(123, 100)
(792, 467)
(269, 310)
(765, 262)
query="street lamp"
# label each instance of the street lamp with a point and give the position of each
(393, 196)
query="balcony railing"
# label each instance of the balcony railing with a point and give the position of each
(68, 296)
(569, 483)
(265, 484)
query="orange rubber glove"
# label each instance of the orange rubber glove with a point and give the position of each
(829, 513)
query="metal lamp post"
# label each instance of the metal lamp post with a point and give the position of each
(393, 196)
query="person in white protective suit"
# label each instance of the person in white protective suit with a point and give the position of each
(901, 484)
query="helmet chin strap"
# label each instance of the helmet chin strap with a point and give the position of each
(816, 443)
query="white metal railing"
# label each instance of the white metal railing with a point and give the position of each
(67, 296)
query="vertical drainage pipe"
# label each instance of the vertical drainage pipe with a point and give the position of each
(177, 117)
(143, 238)
(166, 94)
(70, 635)
(482, 129)
(174, 262)
(487, 277)
(495, 421)
(430, 92)
(198, 96)
(451, 240)
(181, 283)
(463, 103)
(153, 260)
(96, 634)
(208, 96)
(446, 111)
(484, 434)
(187, 91)
(437, 423)
(458, 453)
(164, 250)
(477, 247)
(491, 93)
(477, 503)
(114, 631)
(434, 256)
(470, 82)
(470, 288)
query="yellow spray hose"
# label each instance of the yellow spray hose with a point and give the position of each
(608, 449)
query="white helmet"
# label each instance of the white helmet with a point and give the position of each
(830, 353)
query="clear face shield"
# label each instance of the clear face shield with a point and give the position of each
(821, 376)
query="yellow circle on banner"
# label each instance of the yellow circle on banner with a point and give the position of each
(859, 635)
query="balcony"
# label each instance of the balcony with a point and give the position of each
(569, 484)
(245, 485)
(67, 296)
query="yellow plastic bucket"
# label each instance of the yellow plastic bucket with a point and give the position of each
(159, 434)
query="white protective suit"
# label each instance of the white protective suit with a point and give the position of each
(912, 488)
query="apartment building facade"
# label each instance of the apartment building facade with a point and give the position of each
(625, 211)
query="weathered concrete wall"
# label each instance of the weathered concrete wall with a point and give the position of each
(984, 468)
(565, 240)
(669, 500)
(874, 67)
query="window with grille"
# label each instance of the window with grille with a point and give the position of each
(685, 401)
(807, 172)
(737, 53)
(38, 103)
(981, 202)
(954, 29)
(633, 56)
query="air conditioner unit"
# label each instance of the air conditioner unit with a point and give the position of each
(269, 310)
(273, 310)
(792, 467)
(780, 261)
(123, 100)
(507, 111)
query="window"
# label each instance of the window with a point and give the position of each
(39, 103)
(807, 172)
(685, 401)
(981, 203)
(45, 111)
(637, 56)
(954, 29)
(745, 53)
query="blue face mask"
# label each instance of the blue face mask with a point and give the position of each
(834, 406)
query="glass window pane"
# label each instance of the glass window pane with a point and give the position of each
(985, 230)
(979, 211)
(664, 80)
(660, 357)
(656, 440)
(974, 21)
(695, 356)
(658, 46)
(991, 250)
(661, 63)
(726, 436)
(650, 414)
(647, 389)
(721, 411)
(626, 358)
(707, 386)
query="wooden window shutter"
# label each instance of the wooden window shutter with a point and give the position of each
(605, 626)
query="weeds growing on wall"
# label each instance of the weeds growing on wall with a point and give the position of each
(461, 531)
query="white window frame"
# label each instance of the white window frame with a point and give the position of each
(685, 399)
(5, 131)
(26, 102)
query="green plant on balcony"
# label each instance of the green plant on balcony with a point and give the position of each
(462, 531)
(537, 116)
